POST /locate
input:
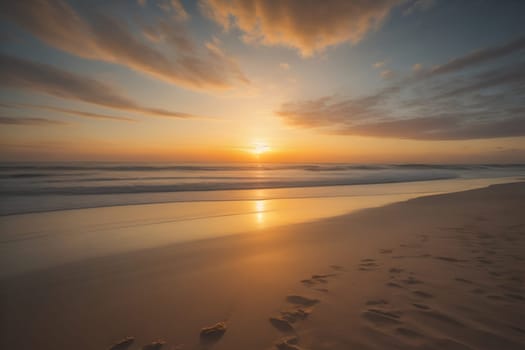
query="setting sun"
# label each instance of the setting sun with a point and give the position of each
(260, 148)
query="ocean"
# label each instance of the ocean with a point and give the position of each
(52, 214)
(40, 187)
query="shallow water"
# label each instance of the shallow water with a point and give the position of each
(40, 240)
(42, 187)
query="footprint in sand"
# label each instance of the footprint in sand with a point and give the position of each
(213, 333)
(300, 312)
(300, 300)
(156, 345)
(301, 308)
(289, 343)
(395, 270)
(411, 281)
(309, 282)
(368, 264)
(421, 306)
(337, 267)
(377, 302)
(394, 285)
(381, 317)
(317, 279)
(410, 245)
(123, 344)
(449, 259)
(422, 294)
(281, 324)
(385, 251)
(295, 315)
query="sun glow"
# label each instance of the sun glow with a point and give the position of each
(260, 148)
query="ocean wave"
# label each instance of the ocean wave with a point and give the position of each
(46, 168)
(218, 186)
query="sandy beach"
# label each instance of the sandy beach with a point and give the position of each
(262, 175)
(437, 272)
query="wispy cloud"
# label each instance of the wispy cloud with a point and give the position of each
(97, 35)
(419, 5)
(303, 25)
(387, 74)
(481, 104)
(173, 7)
(480, 56)
(417, 67)
(19, 73)
(29, 121)
(456, 127)
(78, 113)
(379, 64)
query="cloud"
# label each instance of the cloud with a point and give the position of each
(480, 56)
(441, 128)
(19, 73)
(387, 74)
(328, 112)
(510, 76)
(284, 66)
(380, 64)
(78, 113)
(485, 103)
(93, 34)
(300, 24)
(419, 5)
(174, 7)
(29, 121)
(172, 33)
(355, 118)
(417, 67)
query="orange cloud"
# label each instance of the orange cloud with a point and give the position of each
(433, 104)
(29, 121)
(23, 74)
(94, 34)
(307, 25)
(78, 113)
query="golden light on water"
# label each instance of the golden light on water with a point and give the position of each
(259, 211)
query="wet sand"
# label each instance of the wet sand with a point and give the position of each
(439, 272)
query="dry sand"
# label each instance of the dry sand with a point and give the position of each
(440, 272)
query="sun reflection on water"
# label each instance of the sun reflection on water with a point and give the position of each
(259, 211)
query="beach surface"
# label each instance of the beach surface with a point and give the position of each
(437, 272)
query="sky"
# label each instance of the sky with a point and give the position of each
(354, 81)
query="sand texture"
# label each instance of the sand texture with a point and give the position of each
(439, 272)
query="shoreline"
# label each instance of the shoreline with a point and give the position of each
(223, 195)
(368, 301)
(36, 241)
